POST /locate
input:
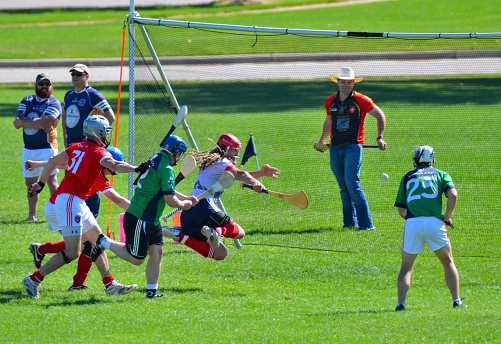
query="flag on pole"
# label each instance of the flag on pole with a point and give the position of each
(250, 150)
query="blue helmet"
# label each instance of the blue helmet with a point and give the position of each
(116, 153)
(175, 144)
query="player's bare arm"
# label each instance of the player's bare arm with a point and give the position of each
(116, 198)
(452, 197)
(247, 178)
(51, 164)
(118, 166)
(30, 165)
(174, 202)
(266, 171)
(402, 212)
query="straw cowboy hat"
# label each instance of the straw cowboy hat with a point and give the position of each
(345, 74)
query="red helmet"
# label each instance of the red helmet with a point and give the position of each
(229, 140)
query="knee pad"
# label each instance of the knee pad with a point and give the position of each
(65, 257)
(87, 248)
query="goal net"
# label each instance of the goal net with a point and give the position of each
(440, 90)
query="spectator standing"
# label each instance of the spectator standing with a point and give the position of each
(38, 115)
(343, 132)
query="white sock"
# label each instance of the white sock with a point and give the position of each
(152, 286)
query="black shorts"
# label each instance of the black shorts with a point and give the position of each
(202, 214)
(140, 235)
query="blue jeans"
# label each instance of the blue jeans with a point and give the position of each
(345, 164)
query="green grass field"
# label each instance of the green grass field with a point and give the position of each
(22, 29)
(300, 278)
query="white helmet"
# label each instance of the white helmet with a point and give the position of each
(97, 128)
(424, 154)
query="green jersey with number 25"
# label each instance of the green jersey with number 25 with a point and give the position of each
(421, 192)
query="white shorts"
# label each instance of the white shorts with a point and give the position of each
(37, 155)
(421, 230)
(69, 211)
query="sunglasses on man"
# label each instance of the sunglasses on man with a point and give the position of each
(77, 74)
(42, 84)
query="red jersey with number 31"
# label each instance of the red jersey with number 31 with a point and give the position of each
(84, 166)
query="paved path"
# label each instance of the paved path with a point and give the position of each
(109, 69)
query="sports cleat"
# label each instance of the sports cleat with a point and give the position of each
(81, 287)
(31, 287)
(367, 229)
(211, 235)
(171, 233)
(399, 308)
(459, 304)
(152, 294)
(37, 256)
(117, 288)
(97, 249)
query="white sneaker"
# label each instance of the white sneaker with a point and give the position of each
(211, 235)
(171, 233)
(117, 288)
(31, 287)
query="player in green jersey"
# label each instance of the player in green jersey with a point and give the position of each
(419, 202)
(143, 233)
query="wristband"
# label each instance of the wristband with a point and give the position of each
(379, 138)
(42, 184)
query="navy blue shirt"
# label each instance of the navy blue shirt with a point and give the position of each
(80, 105)
(33, 107)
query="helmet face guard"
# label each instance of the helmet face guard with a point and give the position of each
(97, 127)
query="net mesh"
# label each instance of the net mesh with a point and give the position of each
(441, 92)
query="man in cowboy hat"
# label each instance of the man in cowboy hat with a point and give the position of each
(343, 135)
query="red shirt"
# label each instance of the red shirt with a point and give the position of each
(348, 117)
(84, 168)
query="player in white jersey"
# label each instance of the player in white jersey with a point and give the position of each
(202, 225)
(419, 202)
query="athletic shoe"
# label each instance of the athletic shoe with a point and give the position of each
(117, 288)
(367, 229)
(211, 235)
(97, 249)
(81, 287)
(459, 304)
(152, 294)
(31, 287)
(399, 308)
(171, 233)
(37, 257)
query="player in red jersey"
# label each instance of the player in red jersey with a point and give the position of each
(70, 214)
(84, 264)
